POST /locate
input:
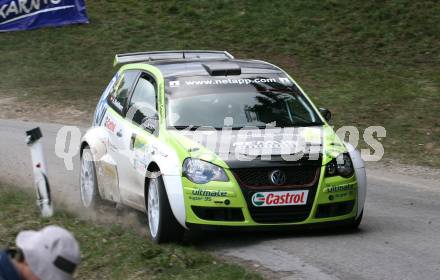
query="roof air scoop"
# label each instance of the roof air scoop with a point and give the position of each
(222, 68)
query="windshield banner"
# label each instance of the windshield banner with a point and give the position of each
(18, 15)
(229, 81)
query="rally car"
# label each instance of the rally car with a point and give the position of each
(201, 139)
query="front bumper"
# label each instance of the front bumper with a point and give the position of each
(228, 204)
(338, 223)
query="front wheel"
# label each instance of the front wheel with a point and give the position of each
(163, 225)
(356, 223)
(88, 183)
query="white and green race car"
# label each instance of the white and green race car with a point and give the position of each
(200, 139)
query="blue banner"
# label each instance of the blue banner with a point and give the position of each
(31, 14)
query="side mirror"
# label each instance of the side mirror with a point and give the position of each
(150, 123)
(326, 113)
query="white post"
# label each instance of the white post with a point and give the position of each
(44, 200)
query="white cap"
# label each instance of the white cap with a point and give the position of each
(51, 253)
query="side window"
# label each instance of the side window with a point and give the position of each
(119, 94)
(142, 107)
(144, 92)
(299, 110)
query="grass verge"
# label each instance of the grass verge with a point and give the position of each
(113, 252)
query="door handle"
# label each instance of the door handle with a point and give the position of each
(132, 140)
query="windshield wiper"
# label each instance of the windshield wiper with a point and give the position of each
(183, 127)
(281, 126)
(308, 124)
(195, 127)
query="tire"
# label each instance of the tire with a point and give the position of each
(162, 224)
(356, 223)
(89, 192)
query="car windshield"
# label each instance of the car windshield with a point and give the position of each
(237, 102)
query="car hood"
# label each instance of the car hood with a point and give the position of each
(229, 147)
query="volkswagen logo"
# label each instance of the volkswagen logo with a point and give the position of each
(278, 177)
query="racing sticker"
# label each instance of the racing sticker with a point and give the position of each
(340, 188)
(207, 195)
(102, 106)
(110, 124)
(283, 198)
(221, 82)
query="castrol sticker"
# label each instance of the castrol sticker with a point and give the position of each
(284, 198)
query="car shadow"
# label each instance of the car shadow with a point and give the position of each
(230, 238)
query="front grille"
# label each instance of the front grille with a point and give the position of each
(281, 214)
(260, 177)
(334, 209)
(302, 177)
(219, 213)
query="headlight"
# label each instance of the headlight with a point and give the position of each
(202, 172)
(341, 165)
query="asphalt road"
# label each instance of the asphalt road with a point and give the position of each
(398, 239)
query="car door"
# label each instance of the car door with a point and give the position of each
(119, 131)
(142, 113)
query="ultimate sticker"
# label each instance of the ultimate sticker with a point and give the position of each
(341, 188)
(206, 195)
(209, 193)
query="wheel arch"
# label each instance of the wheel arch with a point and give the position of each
(153, 167)
(361, 176)
(174, 190)
(84, 144)
(96, 139)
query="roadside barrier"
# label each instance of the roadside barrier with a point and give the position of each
(44, 200)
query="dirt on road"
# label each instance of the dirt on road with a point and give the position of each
(50, 112)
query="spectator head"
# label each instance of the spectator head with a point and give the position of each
(50, 254)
